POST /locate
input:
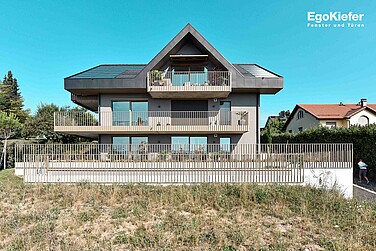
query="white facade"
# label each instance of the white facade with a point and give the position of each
(355, 120)
(303, 122)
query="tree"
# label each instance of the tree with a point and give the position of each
(11, 100)
(284, 115)
(42, 124)
(9, 126)
(268, 133)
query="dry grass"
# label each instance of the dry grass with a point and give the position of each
(199, 217)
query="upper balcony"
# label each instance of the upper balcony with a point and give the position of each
(189, 84)
(152, 122)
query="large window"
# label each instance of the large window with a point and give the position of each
(125, 144)
(225, 144)
(125, 113)
(189, 143)
(182, 76)
(225, 112)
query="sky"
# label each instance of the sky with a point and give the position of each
(42, 42)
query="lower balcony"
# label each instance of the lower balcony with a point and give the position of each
(161, 122)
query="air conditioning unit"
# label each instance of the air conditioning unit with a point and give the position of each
(215, 100)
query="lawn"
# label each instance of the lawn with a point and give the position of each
(196, 217)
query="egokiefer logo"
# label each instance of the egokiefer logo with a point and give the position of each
(335, 19)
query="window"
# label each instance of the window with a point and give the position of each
(225, 113)
(188, 143)
(121, 113)
(125, 113)
(363, 120)
(225, 144)
(300, 114)
(124, 144)
(290, 131)
(331, 124)
(300, 129)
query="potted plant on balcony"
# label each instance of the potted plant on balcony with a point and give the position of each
(140, 121)
(164, 155)
(156, 77)
(242, 120)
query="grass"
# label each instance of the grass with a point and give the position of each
(196, 217)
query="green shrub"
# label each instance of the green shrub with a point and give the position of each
(363, 139)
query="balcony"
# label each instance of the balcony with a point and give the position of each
(189, 84)
(161, 122)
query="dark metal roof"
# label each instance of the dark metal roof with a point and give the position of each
(127, 71)
(254, 70)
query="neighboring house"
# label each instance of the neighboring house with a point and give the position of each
(187, 94)
(306, 116)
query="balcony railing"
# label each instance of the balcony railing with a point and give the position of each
(217, 82)
(155, 120)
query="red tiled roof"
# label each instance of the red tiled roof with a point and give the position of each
(335, 111)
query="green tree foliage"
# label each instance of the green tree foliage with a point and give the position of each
(42, 124)
(268, 133)
(11, 100)
(272, 127)
(284, 114)
(363, 139)
(9, 127)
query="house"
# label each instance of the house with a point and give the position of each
(305, 116)
(187, 116)
(188, 94)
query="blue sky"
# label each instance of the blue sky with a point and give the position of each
(44, 41)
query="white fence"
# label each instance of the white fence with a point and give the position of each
(146, 163)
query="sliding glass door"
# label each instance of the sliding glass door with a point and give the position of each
(225, 113)
(121, 113)
(126, 144)
(126, 113)
(189, 143)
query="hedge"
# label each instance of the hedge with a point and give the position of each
(362, 137)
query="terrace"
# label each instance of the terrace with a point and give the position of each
(151, 122)
(180, 163)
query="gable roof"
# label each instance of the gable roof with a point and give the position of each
(335, 111)
(123, 77)
(331, 111)
(188, 30)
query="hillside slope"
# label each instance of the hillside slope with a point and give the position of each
(196, 217)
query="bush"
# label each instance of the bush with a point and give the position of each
(363, 139)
